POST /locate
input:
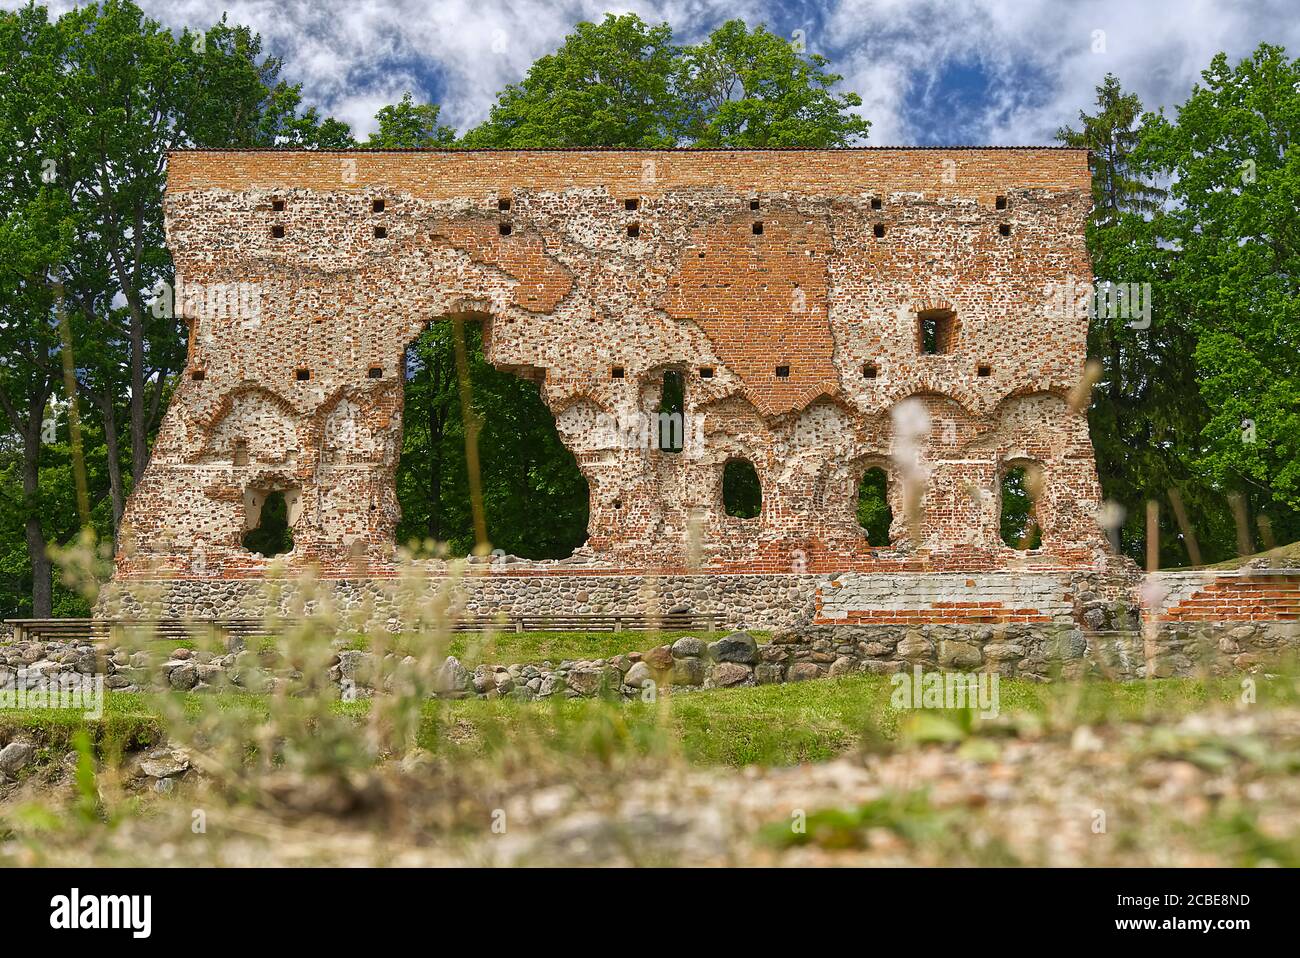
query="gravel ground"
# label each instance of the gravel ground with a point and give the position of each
(1215, 788)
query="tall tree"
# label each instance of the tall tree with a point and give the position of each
(751, 88)
(36, 236)
(408, 124)
(1233, 157)
(1146, 407)
(608, 85)
(1113, 134)
(91, 105)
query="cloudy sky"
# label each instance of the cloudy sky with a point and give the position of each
(929, 71)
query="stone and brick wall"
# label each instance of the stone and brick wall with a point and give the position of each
(762, 277)
(1246, 595)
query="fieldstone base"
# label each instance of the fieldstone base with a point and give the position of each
(763, 601)
(1026, 651)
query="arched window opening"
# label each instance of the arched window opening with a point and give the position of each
(535, 499)
(742, 493)
(671, 419)
(1018, 520)
(271, 533)
(874, 515)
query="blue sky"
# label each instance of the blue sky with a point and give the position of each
(929, 72)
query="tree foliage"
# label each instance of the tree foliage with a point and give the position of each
(92, 104)
(1201, 406)
(624, 83)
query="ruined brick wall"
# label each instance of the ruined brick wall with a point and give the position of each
(786, 287)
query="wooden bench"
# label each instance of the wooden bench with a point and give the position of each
(668, 622)
(90, 630)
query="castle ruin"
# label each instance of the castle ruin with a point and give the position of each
(824, 311)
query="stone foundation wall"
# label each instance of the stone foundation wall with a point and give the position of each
(739, 601)
(1029, 651)
(1247, 595)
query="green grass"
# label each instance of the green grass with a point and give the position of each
(765, 725)
(503, 648)
(1289, 551)
(813, 721)
(510, 648)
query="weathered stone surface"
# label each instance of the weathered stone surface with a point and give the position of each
(638, 675)
(766, 673)
(958, 655)
(14, 758)
(791, 290)
(585, 681)
(801, 671)
(844, 665)
(914, 646)
(730, 673)
(452, 677)
(687, 645)
(165, 763)
(659, 658)
(737, 647)
(689, 671)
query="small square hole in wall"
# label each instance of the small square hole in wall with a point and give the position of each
(879, 230)
(633, 230)
(504, 229)
(782, 372)
(377, 206)
(758, 228)
(616, 372)
(875, 203)
(381, 232)
(1000, 202)
(706, 372)
(753, 204)
(984, 370)
(869, 371)
(277, 232)
(632, 204)
(375, 372)
(618, 503)
(1004, 229)
(198, 375)
(302, 375)
(277, 206)
(503, 203)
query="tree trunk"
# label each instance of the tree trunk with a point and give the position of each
(139, 425)
(139, 428)
(42, 601)
(435, 451)
(113, 449)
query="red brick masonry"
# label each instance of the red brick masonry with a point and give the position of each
(786, 287)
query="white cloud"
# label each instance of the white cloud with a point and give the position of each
(1156, 48)
(353, 56)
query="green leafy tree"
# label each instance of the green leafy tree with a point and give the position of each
(1146, 409)
(535, 498)
(751, 88)
(91, 105)
(742, 492)
(409, 124)
(1233, 157)
(608, 85)
(873, 511)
